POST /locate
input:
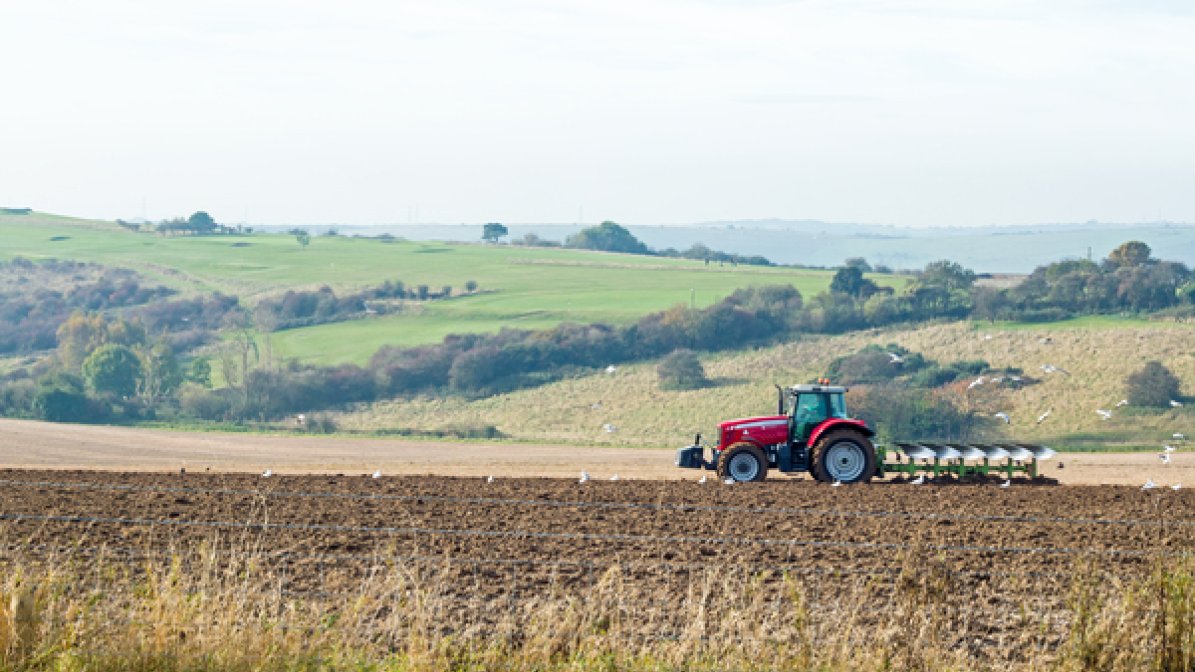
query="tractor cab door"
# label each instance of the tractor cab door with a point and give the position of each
(809, 411)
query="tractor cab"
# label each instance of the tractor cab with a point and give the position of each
(811, 406)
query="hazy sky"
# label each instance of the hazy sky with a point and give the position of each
(647, 111)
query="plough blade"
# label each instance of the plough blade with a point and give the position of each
(916, 451)
(1017, 452)
(944, 452)
(971, 453)
(969, 460)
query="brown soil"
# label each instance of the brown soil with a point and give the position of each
(999, 561)
(39, 445)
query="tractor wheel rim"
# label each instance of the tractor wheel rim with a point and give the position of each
(845, 461)
(744, 467)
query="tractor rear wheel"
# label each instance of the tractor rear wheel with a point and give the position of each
(743, 462)
(844, 456)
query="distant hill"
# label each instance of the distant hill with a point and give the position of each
(989, 249)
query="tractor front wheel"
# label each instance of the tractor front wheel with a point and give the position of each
(844, 456)
(743, 462)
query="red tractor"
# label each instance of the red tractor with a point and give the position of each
(814, 433)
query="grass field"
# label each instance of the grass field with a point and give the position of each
(520, 287)
(1099, 359)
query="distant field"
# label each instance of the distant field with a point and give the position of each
(1087, 322)
(520, 287)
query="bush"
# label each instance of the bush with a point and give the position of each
(1152, 386)
(682, 370)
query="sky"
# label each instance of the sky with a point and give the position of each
(917, 113)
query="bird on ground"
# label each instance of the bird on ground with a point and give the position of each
(1107, 415)
(1042, 418)
(835, 484)
(1003, 416)
(584, 477)
(1149, 485)
(1169, 448)
(267, 473)
(1165, 458)
(1122, 402)
(1176, 404)
(729, 481)
(896, 359)
(1006, 484)
(614, 477)
(702, 479)
(489, 479)
(376, 475)
(976, 382)
(918, 481)
(182, 471)
(1176, 486)
(611, 369)
(1045, 340)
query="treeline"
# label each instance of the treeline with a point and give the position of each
(612, 237)
(39, 296)
(305, 308)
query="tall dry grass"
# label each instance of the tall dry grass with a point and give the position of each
(213, 608)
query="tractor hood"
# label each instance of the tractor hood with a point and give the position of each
(764, 430)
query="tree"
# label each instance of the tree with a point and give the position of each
(947, 275)
(607, 237)
(849, 280)
(60, 398)
(201, 222)
(859, 263)
(302, 237)
(113, 369)
(681, 370)
(1153, 386)
(1132, 253)
(493, 231)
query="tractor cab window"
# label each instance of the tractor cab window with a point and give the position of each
(809, 411)
(838, 406)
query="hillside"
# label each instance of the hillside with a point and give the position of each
(1099, 354)
(517, 286)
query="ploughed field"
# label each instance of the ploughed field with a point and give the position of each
(978, 569)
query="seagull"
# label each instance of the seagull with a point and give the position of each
(896, 359)
(1003, 416)
(267, 473)
(977, 381)
(584, 477)
(1042, 418)
(1149, 485)
(611, 369)
(596, 405)
(1169, 448)
(1044, 340)
(1176, 486)
(610, 429)
(1179, 437)
(1050, 368)
(987, 337)
(1175, 404)
(998, 379)
(376, 475)
(1104, 414)
(1122, 402)
(1006, 484)
(1165, 458)
(614, 477)
(702, 479)
(918, 481)
(729, 481)
(489, 479)
(835, 484)
(1015, 379)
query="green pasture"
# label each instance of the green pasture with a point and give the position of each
(1085, 322)
(517, 287)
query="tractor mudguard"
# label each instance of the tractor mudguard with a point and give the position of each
(838, 423)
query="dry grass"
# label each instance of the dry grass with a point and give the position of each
(575, 410)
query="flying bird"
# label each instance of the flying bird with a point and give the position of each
(1107, 415)
(1042, 418)
(1149, 485)
(584, 477)
(1179, 437)
(998, 379)
(596, 405)
(611, 369)
(1175, 404)
(987, 337)
(1045, 340)
(610, 429)
(977, 381)
(1003, 416)
(1122, 402)
(896, 359)
(1169, 448)
(1050, 368)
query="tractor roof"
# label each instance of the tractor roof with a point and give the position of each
(827, 389)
